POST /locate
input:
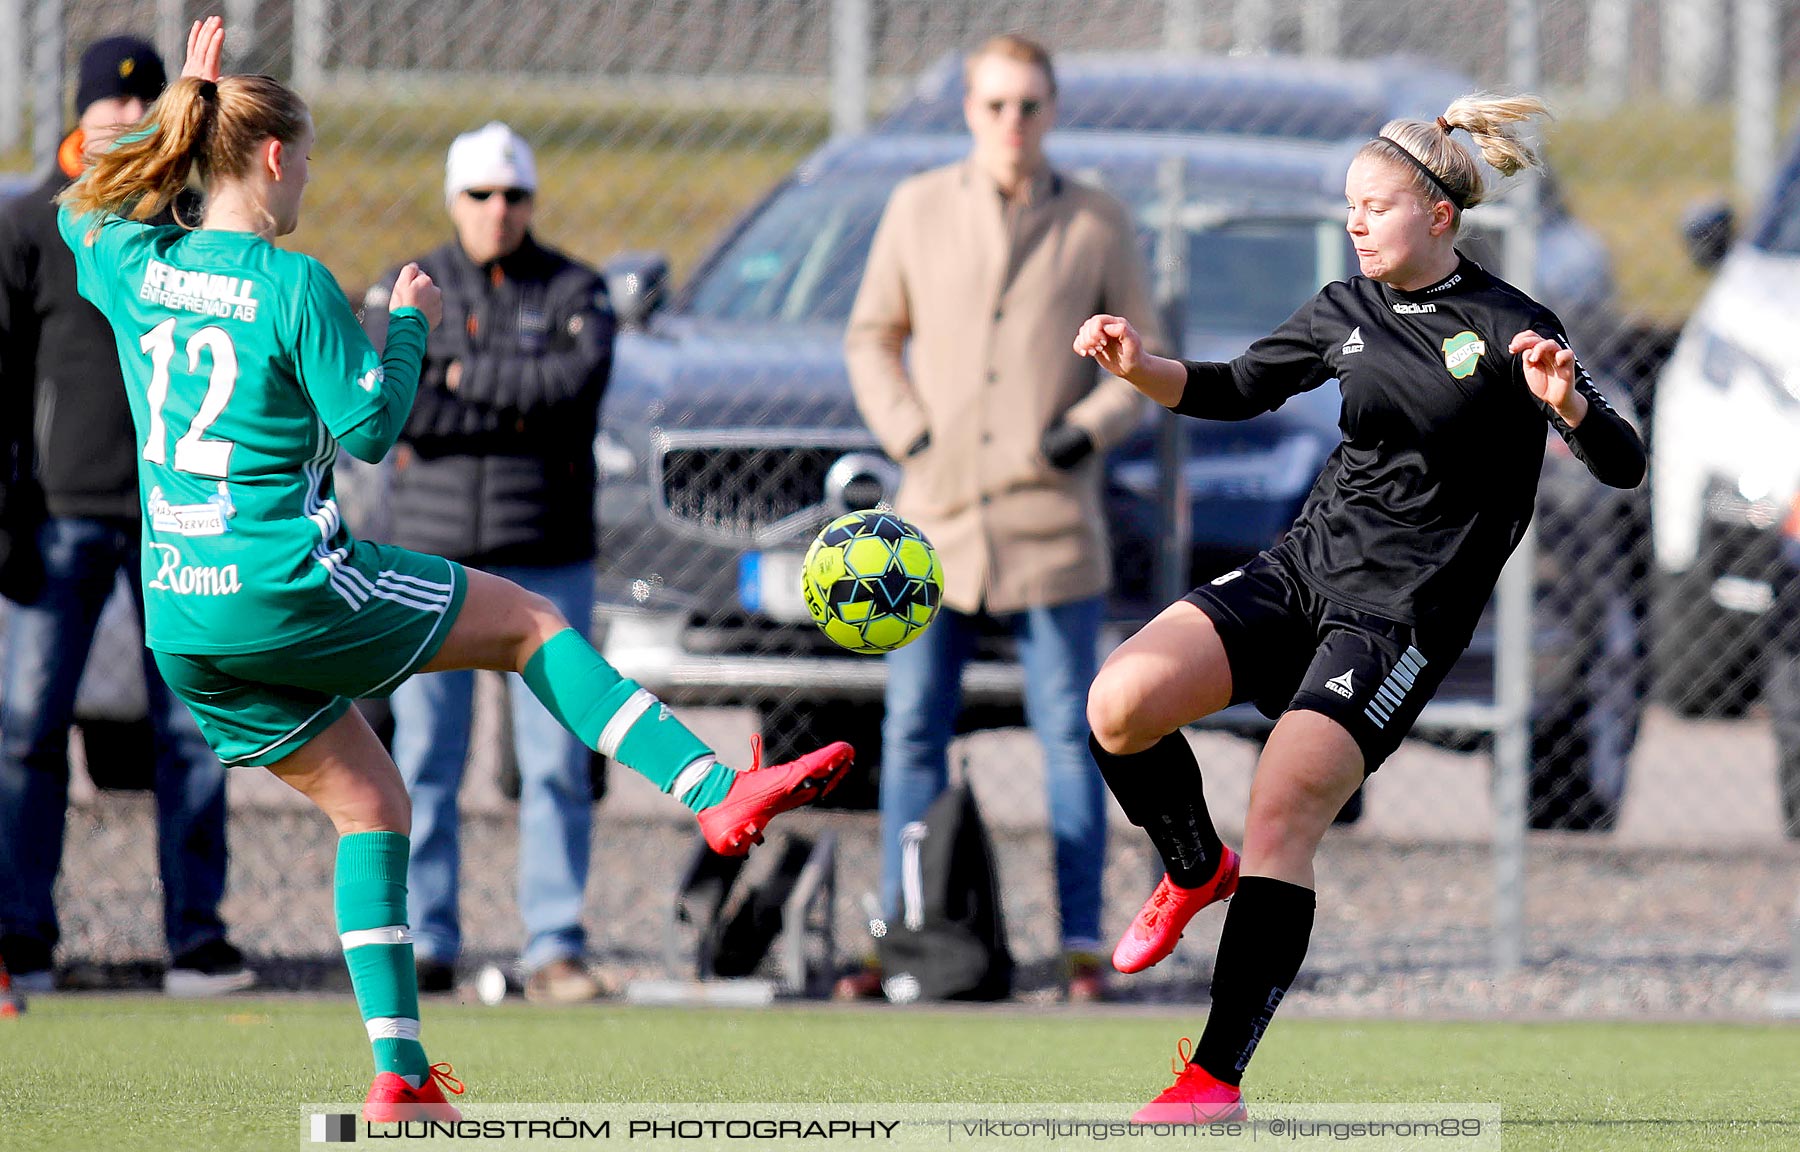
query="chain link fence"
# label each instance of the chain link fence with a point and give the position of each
(727, 160)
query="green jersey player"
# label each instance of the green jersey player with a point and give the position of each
(247, 371)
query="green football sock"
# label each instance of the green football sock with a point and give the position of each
(371, 922)
(620, 719)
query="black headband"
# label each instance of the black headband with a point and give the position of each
(1429, 174)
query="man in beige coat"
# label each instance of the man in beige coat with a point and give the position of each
(987, 266)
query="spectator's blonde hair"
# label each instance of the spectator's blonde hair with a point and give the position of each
(1441, 167)
(1011, 46)
(197, 125)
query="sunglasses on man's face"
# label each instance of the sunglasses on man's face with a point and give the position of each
(512, 196)
(1027, 108)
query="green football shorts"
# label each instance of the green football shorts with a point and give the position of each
(256, 707)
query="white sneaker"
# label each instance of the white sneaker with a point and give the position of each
(212, 969)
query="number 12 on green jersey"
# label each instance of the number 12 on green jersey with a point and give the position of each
(193, 452)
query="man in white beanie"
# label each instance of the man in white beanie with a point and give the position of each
(490, 182)
(496, 469)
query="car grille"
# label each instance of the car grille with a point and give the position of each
(739, 491)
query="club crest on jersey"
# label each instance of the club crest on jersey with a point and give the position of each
(1462, 354)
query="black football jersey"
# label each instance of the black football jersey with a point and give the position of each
(1416, 511)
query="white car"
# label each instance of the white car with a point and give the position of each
(1727, 454)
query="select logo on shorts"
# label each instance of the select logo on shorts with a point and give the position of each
(336, 1128)
(1462, 354)
(1342, 685)
(191, 580)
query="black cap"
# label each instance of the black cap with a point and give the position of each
(119, 66)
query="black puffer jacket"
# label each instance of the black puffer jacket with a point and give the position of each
(500, 471)
(67, 447)
(58, 361)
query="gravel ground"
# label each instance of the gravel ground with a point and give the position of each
(1688, 908)
(1404, 928)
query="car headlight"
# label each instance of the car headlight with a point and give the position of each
(1722, 361)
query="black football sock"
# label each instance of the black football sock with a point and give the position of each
(1161, 792)
(1267, 927)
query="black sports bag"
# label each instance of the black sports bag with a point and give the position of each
(950, 943)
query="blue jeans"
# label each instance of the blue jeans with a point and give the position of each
(47, 647)
(432, 717)
(924, 693)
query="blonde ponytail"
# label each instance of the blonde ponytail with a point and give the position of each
(198, 126)
(140, 176)
(1487, 118)
(1445, 169)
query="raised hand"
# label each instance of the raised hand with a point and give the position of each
(1112, 342)
(205, 49)
(414, 289)
(1550, 374)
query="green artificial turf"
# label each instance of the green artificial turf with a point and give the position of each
(148, 1073)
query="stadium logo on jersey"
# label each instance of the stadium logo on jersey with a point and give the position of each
(191, 580)
(207, 293)
(209, 519)
(1462, 353)
(1342, 685)
(1405, 309)
(1355, 343)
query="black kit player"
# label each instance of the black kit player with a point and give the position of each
(1344, 629)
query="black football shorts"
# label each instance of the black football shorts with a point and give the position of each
(1290, 648)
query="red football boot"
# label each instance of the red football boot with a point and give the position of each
(760, 794)
(392, 1100)
(11, 1003)
(1196, 1097)
(1159, 923)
